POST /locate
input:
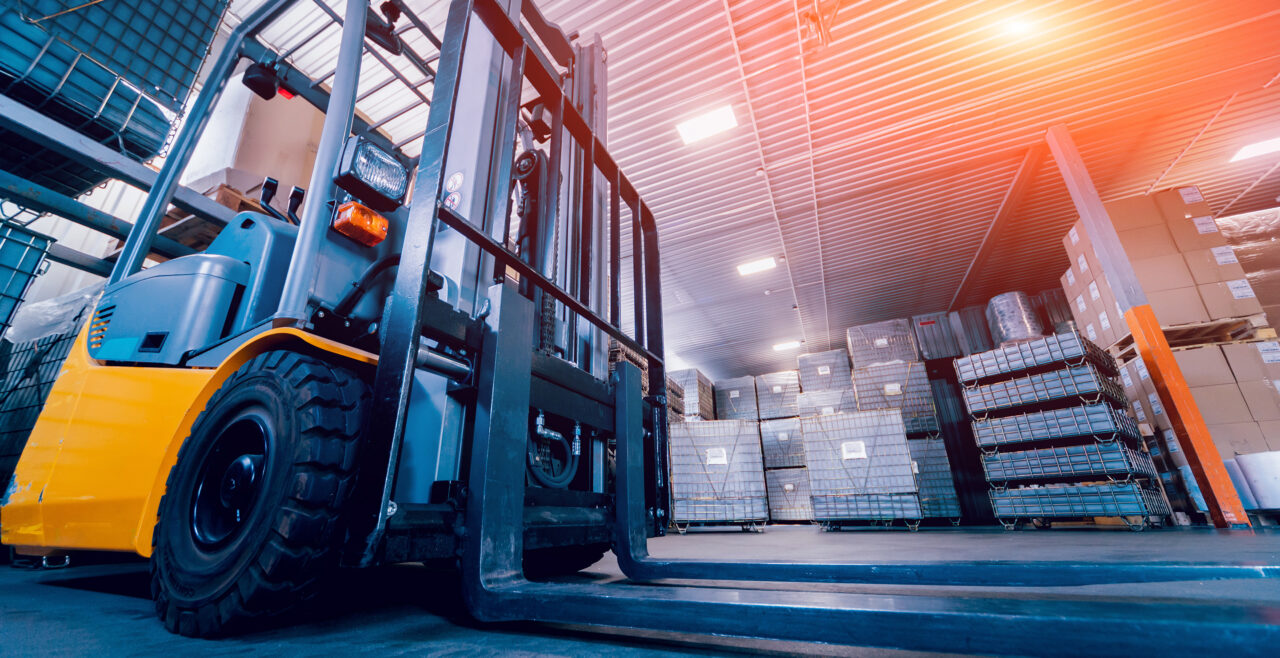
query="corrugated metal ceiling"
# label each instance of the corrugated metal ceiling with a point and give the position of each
(875, 164)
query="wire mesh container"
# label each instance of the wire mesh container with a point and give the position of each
(904, 386)
(1092, 459)
(699, 394)
(717, 473)
(825, 403)
(1073, 501)
(1071, 348)
(934, 336)
(736, 399)
(1077, 382)
(789, 494)
(21, 252)
(776, 394)
(882, 342)
(938, 498)
(824, 371)
(783, 443)
(1089, 420)
(853, 455)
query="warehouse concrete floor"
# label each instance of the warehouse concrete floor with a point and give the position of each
(105, 609)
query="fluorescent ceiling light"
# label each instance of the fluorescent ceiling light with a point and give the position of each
(1256, 149)
(1018, 27)
(789, 345)
(757, 266)
(707, 124)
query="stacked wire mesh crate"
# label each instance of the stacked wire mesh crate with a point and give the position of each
(1057, 443)
(717, 474)
(889, 373)
(777, 400)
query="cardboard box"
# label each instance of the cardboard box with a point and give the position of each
(1181, 202)
(1163, 273)
(1270, 433)
(1237, 438)
(1173, 448)
(1178, 306)
(1213, 265)
(1204, 366)
(1229, 299)
(1134, 212)
(1196, 232)
(1253, 361)
(1262, 398)
(1148, 242)
(1220, 404)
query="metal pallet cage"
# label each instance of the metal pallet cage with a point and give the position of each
(736, 399)
(1074, 501)
(789, 494)
(783, 443)
(717, 474)
(1096, 420)
(882, 342)
(1114, 460)
(866, 507)
(1084, 382)
(903, 386)
(824, 371)
(21, 253)
(1070, 348)
(825, 403)
(938, 498)
(776, 394)
(851, 456)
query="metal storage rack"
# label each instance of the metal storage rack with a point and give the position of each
(860, 469)
(717, 475)
(1049, 418)
(21, 254)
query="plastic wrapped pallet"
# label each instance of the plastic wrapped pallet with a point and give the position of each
(938, 498)
(736, 399)
(699, 394)
(824, 371)
(825, 403)
(882, 342)
(1012, 317)
(776, 394)
(789, 494)
(969, 326)
(717, 473)
(860, 467)
(903, 386)
(934, 336)
(783, 443)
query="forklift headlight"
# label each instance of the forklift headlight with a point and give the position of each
(372, 175)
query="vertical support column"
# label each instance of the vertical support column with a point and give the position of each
(1211, 474)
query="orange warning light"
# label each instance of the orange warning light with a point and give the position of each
(361, 224)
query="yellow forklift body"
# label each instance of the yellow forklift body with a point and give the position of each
(94, 469)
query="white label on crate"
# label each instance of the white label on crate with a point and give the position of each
(777, 389)
(1080, 303)
(788, 487)
(1128, 381)
(733, 394)
(1205, 224)
(853, 450)
(1240, 289)
(1088, 329)
(1084, 264)
(824, 370)
(1270, 351)
(1138, 412)
(1071, 277)
(1156, 408)
(1074, 235)
(783, 436)
(1104, 320)
(1171, 440)
(1225, 255)
(1190, 194)
(827, 411)
(881, 342)
(893, 388)
(1141, 368)
(915, 468)
(717, 457)
(1093, 290)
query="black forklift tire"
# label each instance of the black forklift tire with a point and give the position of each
(222, 561)
(542, 563)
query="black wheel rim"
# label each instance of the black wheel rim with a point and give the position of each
(230, 480)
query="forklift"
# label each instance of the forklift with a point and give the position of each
(414, 368)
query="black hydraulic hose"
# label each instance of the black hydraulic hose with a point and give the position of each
(545, 479)
(349, 300)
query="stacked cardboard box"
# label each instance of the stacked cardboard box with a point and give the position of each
(1188, 272)
(698, 394)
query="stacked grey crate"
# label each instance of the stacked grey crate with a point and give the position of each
(860, 468)
(824, 371)
(789, 494)
(777, 396)
(969, 326)
(938, 498)
(901, 385)
(699, 395)
(736, 399)
(1049, 419)
(717, 475)
(783, 443)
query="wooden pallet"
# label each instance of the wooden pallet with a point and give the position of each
(1216, 332)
